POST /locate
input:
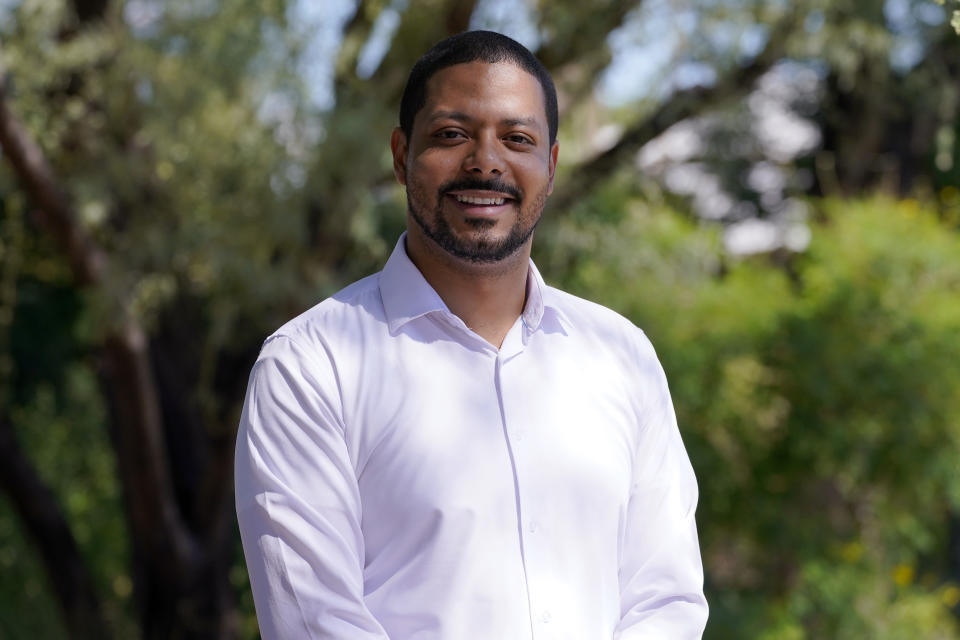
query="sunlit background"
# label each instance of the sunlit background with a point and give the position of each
(770, 189)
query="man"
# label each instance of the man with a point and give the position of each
(450, 448)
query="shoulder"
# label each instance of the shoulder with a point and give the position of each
(605, 330)
(336, 320)
(358, 302)
(586, 316)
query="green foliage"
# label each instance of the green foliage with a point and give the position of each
(64, 432)
(53, 399)
(25, 599)
(818, 404)
(161, 141)
(173, 168)
(954, 19)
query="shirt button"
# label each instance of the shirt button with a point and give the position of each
(545, 616)
(519, 436)
(533, 526)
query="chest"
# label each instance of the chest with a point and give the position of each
(441, 428)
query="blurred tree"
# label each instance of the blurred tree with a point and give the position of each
(819, 410)
(955, 17)
(171, 194)
(862, 97)
(112, 120)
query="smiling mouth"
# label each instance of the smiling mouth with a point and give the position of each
(479, 201)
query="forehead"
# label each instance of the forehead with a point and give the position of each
(479, 88)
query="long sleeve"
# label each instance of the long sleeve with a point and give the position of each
(298, 504)
(661, 575)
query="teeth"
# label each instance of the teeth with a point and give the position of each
(469, 200)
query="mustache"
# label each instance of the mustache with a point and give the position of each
(476, 184)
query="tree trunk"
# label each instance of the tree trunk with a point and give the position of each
(180, 564)
(46, 525)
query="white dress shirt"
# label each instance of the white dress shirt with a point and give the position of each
(399, 477)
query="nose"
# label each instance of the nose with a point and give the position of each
(485, 157)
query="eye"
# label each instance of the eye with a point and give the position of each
(450, 134)
(519, 138)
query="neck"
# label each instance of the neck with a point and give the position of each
(487, 297)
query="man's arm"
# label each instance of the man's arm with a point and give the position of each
(661, 575)
(298, 504)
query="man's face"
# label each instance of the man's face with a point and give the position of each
(479, 165)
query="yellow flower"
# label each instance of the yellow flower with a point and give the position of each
(903, 575)
(951, 596)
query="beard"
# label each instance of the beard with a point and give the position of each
(481, 248)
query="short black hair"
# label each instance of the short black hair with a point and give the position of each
(471, 46)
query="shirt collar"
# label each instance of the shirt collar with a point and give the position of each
(407, 295)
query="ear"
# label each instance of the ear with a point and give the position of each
(398, 146)
(554, 152)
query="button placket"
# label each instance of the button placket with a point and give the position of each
(512, 436)
(533, 538)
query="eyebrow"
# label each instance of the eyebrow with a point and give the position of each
(460, 116)
(520, 122)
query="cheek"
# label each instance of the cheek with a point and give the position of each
(534, 171)
(423, 175)
(433, 162)
(420, 193)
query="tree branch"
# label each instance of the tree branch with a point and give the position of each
(681, 106)
(137, 418)
(50, 532)
(355, 35)
(570, 42)
(30, 165)
(458, 16)
(412, 40)
(142, 453)
(89, 10)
